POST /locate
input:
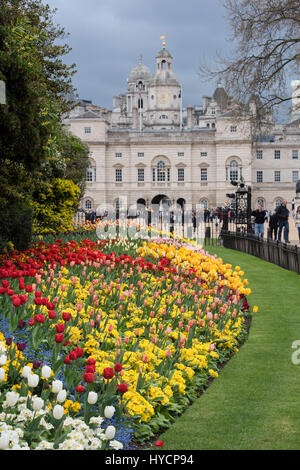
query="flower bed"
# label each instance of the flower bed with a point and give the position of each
(132, 327)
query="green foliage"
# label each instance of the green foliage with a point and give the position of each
(53, 204)
(16, 225)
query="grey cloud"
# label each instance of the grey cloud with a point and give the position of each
(107, 37)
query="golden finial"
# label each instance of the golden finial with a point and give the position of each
(164, 42)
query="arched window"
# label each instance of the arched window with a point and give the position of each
(278, 202)
(204, 203)
(163, 64)
(140, 103)
(91, 172)
(88, 204)
(233, 171)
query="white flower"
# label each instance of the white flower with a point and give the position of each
(117, 445)
(92, 398)
(46, 425)
(33, 380)
(3, 359)
(46, 372)
(2, 374)
(12, 398)
(95, 444)
(26, 371)
(110, 432)
(44, 445)
(37, 403)
(58, 412)
(96, 420)
(4, 441)
(57, 386)
(109, 411)
(61, 396)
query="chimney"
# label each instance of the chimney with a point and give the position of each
(190, 116)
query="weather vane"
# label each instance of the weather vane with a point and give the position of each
(164, 42)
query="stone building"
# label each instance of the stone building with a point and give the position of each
(147, 148)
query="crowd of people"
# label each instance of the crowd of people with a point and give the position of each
(278, 222)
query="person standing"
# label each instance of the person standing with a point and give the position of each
(297, 220)
(283, 220)
(273, 225)
(259, 221)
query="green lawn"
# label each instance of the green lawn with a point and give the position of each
(255, 402)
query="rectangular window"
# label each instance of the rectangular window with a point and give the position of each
(259, 176)
(203, 154)
(277, 154)
(295, 154)
(141, 174)
(233, 128)
(180, 174)
(180, 154)
(118, 174)
(203, 174)
(118, 155)
(259, 154)
(277, 175)
(168, 174)
(153, 174)
(87, 130)
(295, 176)
(140, 154)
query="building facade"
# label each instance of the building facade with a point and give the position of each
(148, 149)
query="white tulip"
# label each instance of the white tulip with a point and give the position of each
(4, 441)
(37, 403)
(46, 372)
(57, 386)
(110, 432)
(109, 411)
(3, 359)
(2, 374)
(58, 412)
(61, 396)
(12, 398)
(33, 380)
(92, 398)
(26, 371)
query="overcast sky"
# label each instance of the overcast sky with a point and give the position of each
(108, 36)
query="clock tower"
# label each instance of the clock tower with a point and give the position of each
(164, 94)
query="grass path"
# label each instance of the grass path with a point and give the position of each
(255, 402)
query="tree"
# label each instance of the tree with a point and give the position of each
(267, 54)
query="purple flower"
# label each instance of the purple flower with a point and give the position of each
(8, 341)
(36, 364)
(21, 346)
(21, 324)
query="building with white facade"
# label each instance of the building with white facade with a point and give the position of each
(147, 148)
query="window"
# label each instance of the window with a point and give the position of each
(180, 154)
(203, 174)
(118, 174)
(163, 116)
(204, 203)
(277, 154)
(161, 171)
(259, 176)
(88, 204)
(153, 174)
(233, 128)
(259, 154)
(278, 202)
(213, 111)
(118, 155)
(295, 176)
(141, 174)
(180, 174)
(277, 175)
(203, 154)
(261, 202)
(87, 130)
(89, 175)
(295, 154)
(140, 103)
(140, 154)
(233, 171)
